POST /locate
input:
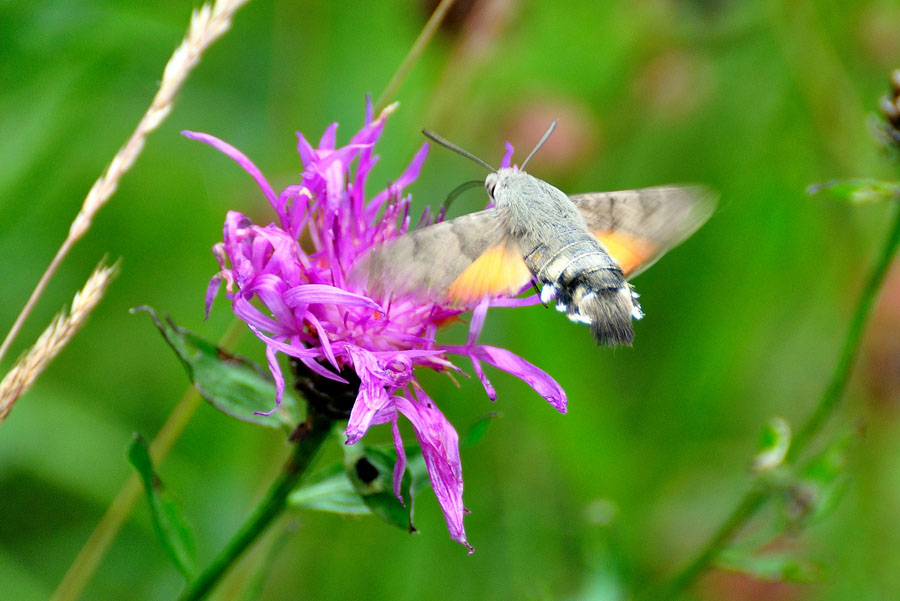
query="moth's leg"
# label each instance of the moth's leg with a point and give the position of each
(538, 292)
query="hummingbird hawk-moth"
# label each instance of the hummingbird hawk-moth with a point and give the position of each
(582, 248)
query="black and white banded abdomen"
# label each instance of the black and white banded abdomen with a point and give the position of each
(587, 285)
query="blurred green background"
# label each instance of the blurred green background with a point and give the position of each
(744, 321)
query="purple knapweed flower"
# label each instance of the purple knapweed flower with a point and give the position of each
(288, 281)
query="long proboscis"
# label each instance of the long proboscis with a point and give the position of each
(458, 190)
(448, 144)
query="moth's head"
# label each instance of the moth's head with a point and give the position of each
(496, 181)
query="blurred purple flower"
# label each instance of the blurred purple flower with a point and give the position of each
(296, 269)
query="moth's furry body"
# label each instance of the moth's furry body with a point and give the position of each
(588, 285)
(581, 248)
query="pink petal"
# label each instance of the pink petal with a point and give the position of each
(477, 322)
(240, 158)
(440, 449)
(532, 375)
(400, 466)
(306, 294)
(507, 158)
(272, 359)
(211, 290)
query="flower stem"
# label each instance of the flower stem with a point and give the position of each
(746, 509)
(316, 431)
(834, 392)
(757, 497)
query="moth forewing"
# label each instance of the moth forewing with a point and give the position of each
(458, 261)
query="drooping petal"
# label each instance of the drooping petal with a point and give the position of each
(477, 322)
(513, 301)
(489, 389)
(254, 317)
(316, 367)
(211, 291)
(400, 465)
(440, 449)
(272, 359)
(324, 341)
(293, 350)
(372, 395)
(532, 375)
(369, 402)
(240, 158)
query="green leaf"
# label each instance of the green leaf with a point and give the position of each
(478, 430)
(775, 440)
(859, 190)
(370, 471)
(775, 567)
(825, 478)
(329, 490)
(173, 529)
(231, 383)
(830, 464)
(813, 490)
(362, 484)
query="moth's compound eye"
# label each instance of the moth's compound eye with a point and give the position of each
(490, 183)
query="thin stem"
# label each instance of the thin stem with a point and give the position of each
(96, 546)
(754, 499)
(54, 338)
(272, 505)
(834, 392)
(414, 53)
(752, 502)
(35, 295)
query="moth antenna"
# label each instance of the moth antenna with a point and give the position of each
(459, 190)
(539, 144)
(448, 144)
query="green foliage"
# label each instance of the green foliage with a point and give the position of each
(232, 384)
(779, 567)
(171, 526)
(775, 440)
(329, 490)
(362, 484)
(478, 430)
(859, 191)
(370, 471)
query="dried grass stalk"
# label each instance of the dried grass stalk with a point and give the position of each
(53, 339)
(207, 24)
